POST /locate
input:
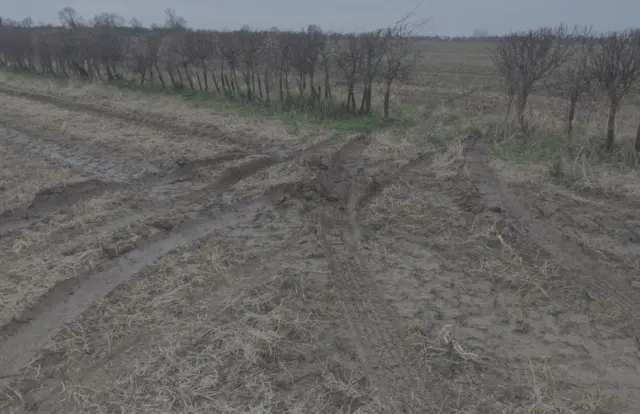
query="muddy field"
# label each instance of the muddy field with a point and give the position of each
(158, 258)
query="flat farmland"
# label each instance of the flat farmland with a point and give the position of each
(165, 253)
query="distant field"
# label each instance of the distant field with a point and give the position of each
(461, 64)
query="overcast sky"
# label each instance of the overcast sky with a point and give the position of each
(447, 17)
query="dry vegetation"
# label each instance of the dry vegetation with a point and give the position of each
(274, 264)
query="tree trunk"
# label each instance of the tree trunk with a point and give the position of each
(327, 89)
(638, 139)
(225, 87)
(160, 77)
(187, 74)
(205, 76)
(179, 76)
(507, 116)
(286, 84)
(110, 76)
(351, 96)
(611, 125)
(199, 81)
(172, 78)
(387, 96)
(215, 81)
(521, 106)
(267, 89)
(572, 114)
(247, 82)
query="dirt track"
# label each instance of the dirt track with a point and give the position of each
(387, 236)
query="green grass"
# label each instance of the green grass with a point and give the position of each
(294, 113)
(567, 160)
(537, 149)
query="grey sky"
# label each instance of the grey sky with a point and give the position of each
(452, 17)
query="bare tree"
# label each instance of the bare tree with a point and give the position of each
(374, 45)
(27, 22)
(523, 59)
(173, 21)
(69, 18)
(575, 78)
(349, 56)
(135, 23)
(107, 20)
(615, 67)
(398, 60)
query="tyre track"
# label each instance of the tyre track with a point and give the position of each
(19, 342)
(50, 200)
(594, 276)
(160, 122)
(377, 328)
(184, 170)
(379, 334)
(72, 157)
(228, 178)
(281, 153)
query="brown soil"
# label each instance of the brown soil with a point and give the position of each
(359, 274)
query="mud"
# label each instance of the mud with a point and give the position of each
(378, 331)
(495, 319)
(68, 300)
(593, 276)
(52, 199)
(72, 157)
(186, 168)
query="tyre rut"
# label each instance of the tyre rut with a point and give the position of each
(67, 300)
(73, 157)
(595, 277)
(378, 330)
(53, 199)
(19, 342)
(159, 122)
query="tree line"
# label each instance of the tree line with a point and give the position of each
(575, 63)
(308, 69)
(332, 73)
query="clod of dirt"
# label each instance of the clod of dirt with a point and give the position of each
(55, 198)
(185, 163)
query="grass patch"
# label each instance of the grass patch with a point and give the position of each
(541, 149)
(545, 147)
(294, 112)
